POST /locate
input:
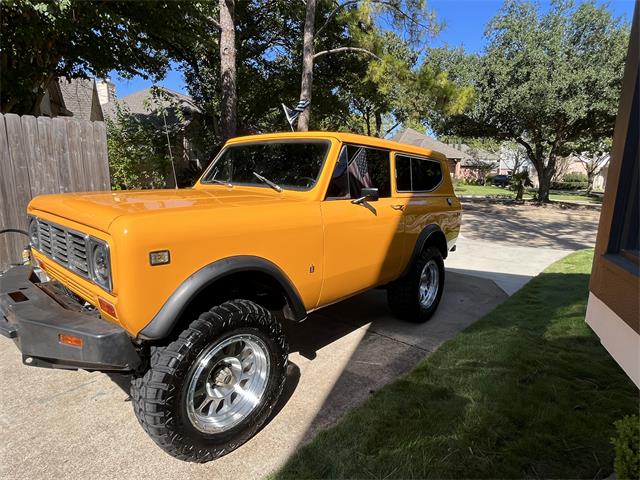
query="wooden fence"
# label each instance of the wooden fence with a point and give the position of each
(45, 155)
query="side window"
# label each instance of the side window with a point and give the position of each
(403, 174)
(358, 168)
(368, 168)
(339, 185)
(417, 174)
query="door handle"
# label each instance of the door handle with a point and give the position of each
(398, 207)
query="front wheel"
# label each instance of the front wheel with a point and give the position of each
(415, 297)
(210, 390)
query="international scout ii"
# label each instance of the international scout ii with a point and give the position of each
(186, 290)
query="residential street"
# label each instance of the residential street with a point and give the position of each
(79, 425)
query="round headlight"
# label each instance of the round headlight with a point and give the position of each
(34, 239)
(100, 264)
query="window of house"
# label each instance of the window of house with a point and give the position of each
(625, 232)
(357, 168)
(417, 174)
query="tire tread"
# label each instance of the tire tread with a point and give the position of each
(154, 393)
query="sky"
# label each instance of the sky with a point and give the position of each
(464, 20)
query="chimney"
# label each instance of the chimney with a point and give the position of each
(106, 90)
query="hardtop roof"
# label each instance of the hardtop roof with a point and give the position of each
(345, 138)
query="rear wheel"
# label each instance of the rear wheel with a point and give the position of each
(212, 389)
(415, 297)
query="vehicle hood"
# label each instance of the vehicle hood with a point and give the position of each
(99, 209)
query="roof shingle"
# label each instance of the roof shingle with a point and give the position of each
(413, 137)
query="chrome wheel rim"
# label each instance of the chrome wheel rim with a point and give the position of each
(429, 284)
(228, 382)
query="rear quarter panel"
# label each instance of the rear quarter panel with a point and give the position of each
(440, 207)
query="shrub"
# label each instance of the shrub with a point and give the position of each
(568, 185)
(138, 156)
(575, 177)
(627, 447)
(519, 181)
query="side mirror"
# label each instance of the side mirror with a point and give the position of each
(371, 194)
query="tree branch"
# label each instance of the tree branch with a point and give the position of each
(332, 14)
(346, 49)
(530, 152)
(214, 23)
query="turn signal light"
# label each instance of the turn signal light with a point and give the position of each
(161, 257)
(70, 340)
(107, 307)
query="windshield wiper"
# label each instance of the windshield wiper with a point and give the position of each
(275, 186)
(222, 182)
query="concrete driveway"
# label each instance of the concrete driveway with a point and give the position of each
(80, 425)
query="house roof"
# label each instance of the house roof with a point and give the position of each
(413, 137)
(479, 154)
(140, 103)
(81, 98)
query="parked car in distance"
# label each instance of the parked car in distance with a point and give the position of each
(186, 290)
(501, 180)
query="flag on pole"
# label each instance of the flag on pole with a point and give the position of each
(292, 114)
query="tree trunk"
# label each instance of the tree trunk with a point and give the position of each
(308, 51)
(229, 107)
(545, 173)
(590, 179)
(367, 120)
(544, 185)
(378, 123)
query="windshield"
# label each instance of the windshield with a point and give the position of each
(293, 165)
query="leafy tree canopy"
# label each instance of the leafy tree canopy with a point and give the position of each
(546, 80)
(351, 90)
(75, 38)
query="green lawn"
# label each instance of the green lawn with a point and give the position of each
(482, 190)
(490, 190)
(527, 391)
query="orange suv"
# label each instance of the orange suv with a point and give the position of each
(186, 290)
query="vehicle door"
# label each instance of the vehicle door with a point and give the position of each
(362, 236)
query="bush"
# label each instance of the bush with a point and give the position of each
(627, 447)
(575, 177)
(138, 156)
(568, 185)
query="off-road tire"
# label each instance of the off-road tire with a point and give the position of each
(158, 396)
(403, 294)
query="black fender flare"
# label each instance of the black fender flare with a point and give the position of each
(423, 237)
(164, 321)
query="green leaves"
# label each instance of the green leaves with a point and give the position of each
(546, 80)
(138, 152)
(75, 38)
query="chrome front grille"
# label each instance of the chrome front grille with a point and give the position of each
(65, 246)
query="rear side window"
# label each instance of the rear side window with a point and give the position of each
(417, 174)
(358, 168)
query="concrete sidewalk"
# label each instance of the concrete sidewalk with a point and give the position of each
(510, 267)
